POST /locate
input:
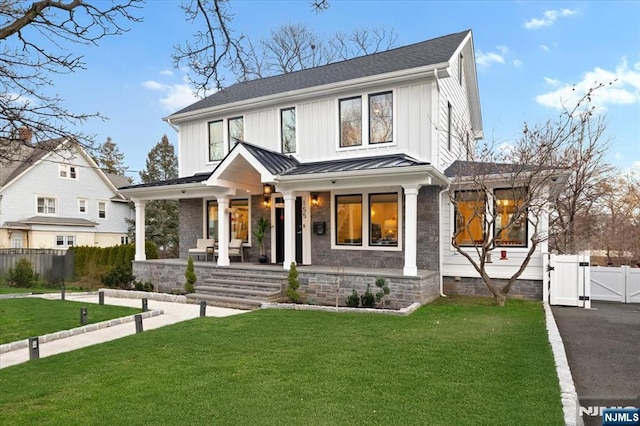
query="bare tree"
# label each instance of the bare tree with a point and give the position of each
(501, 197)
(36, 46)
(363, 41)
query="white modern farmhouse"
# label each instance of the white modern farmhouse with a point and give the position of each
(346, 161)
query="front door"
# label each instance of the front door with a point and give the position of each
(280, 222)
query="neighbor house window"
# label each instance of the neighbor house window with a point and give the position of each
(381, 118)
(82, 205)
(236, 131)
(351, 122)
(102, 209)
(65, 241)
(349, 220)
(216, 141)
(16, 239)
(449, 126)
(124, 239)
(511, 218)
(46, 205)
(288, 130)
(469, 218)
(68, 172)
(383, 219)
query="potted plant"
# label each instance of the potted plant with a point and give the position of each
(259, 233)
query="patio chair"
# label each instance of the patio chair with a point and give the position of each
(235, 249)
(204, 246)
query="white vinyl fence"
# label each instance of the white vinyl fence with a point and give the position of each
(615, 284)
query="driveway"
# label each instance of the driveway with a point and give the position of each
(603, 350)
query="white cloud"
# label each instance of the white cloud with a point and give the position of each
(517, 63)
(167, 72)
(545, 47)
(486, 59)
(175, 95)
(551, 81)
(549, 17)
(621, 87)
(503, 49)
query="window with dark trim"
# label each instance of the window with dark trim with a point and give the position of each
(349, 220)
(235, 130)
(383, 219)
(469, 218)
(216, 141)
(510, 228)
(351, 122)
(381, 118)
(288, 130)
(238, 219)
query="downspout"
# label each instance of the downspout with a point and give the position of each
(441, 238)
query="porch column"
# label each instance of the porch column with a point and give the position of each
(411, 229)
(289, 229)
(140, 229)
(223, 231)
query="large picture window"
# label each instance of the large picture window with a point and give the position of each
(469, 218)
(236, 131)
(288, 130)
(381, 118)
(383, 219)
(212, 220)
(349, 220)
(351, 122)
(511, 218)
(238, 219)
(216, 141)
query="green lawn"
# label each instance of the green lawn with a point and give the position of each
(30, 317)
(446, 364)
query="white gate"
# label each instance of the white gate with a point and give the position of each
(569, 280)
(615, 284)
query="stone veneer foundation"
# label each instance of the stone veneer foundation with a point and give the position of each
(526, 289)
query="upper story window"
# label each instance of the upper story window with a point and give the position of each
(469, 218)
(46, 205)
(216, 140)
(351, 122)
(381, 117)
(67, 171)
(102, 209)
(511, 218)
(82, 205)
(288, 130)
(235, 131)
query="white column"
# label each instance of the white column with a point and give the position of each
(289, 229)
(140, 228)
(411, 229)
(223, 231)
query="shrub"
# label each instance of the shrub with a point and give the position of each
(353, 301)
(118, 277)
(150, 250)
(190, 275)
(381, 283)
(22, 276)
(143, 286)
(293, 284)
(368, 300)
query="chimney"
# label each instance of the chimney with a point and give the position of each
(25, 134)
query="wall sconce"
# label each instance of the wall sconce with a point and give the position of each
(268, 189)
(267, 201)
(315, 201)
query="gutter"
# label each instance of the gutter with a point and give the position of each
(441, 238)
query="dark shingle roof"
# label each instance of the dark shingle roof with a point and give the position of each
(355, 164)
(430, 52)
(196, 178)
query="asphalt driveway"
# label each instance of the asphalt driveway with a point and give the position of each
(603, 350)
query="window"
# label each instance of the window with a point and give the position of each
(460, 66)
(102, 209)
(511, 218)
(82, 205)
(71, 240)
(238, 219)
(449, 126)
(349, 220)
(60, 241)
(68, 172)
(65, 241)
(16, 239)
(124, 239)
(216, 143)
(288, 130)
(469, 218)
(381, 118)
(351, 122)
(383, 219)
(46, 205)
(236, 131)
(212, 220)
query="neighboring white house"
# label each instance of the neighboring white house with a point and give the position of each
(60, 199)
(346, 160)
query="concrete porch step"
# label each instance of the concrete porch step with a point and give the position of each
(250, 276)
(242, 284)
(224, 301)
(246, 292)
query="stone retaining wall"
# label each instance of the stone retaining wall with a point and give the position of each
(526, 289)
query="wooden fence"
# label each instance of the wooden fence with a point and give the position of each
(50, 265)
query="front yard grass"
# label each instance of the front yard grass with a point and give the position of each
(448, 363)
(30, 316)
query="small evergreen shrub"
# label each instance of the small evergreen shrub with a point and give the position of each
(353, 301)
(143, 286)
(190, 275)
(118, 277)
(381, 283)
(368, 300)
(293, 284)
(22, 275)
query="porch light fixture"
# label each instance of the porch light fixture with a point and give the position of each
(314, 200)
(267, 189)
(267, 201)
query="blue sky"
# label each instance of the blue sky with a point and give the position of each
(529, 55)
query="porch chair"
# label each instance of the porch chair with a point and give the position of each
(235, 249)
(204, 246)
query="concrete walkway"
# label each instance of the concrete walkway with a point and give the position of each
(172, 313)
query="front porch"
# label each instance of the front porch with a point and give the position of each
(317, 283)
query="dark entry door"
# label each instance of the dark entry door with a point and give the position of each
(280, 221)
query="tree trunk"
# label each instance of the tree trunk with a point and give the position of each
(500, 299)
